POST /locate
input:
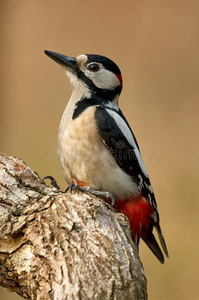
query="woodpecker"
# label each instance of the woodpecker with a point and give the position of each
(97, 149)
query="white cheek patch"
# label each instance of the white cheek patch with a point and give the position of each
(103, 79)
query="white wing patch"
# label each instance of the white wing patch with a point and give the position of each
(128, 135)
(113, 105)
(141, 183)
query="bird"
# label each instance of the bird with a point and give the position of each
(97, 148)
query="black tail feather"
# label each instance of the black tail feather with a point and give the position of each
(153, 245)
(161, 238)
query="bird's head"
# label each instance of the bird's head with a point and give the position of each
(100, 75)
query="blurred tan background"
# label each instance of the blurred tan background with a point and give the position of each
(156, 45)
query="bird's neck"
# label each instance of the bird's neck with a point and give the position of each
(79, 92)
(83, 98)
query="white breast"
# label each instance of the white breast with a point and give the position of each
(84, 157)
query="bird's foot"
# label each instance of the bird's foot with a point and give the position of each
(88, 189)
(52, 181)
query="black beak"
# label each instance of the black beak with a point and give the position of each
(69, 63)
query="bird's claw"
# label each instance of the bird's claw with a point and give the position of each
(52, 181)
(88, 189)
(72, 186)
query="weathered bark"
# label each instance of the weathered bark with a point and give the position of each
(60, 246)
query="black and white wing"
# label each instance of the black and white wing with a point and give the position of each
(119, 139)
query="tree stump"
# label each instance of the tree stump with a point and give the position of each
(55, 245)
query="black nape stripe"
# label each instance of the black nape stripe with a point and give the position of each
(102, 93)
(84, 104)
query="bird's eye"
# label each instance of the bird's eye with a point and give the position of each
(93, 67)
